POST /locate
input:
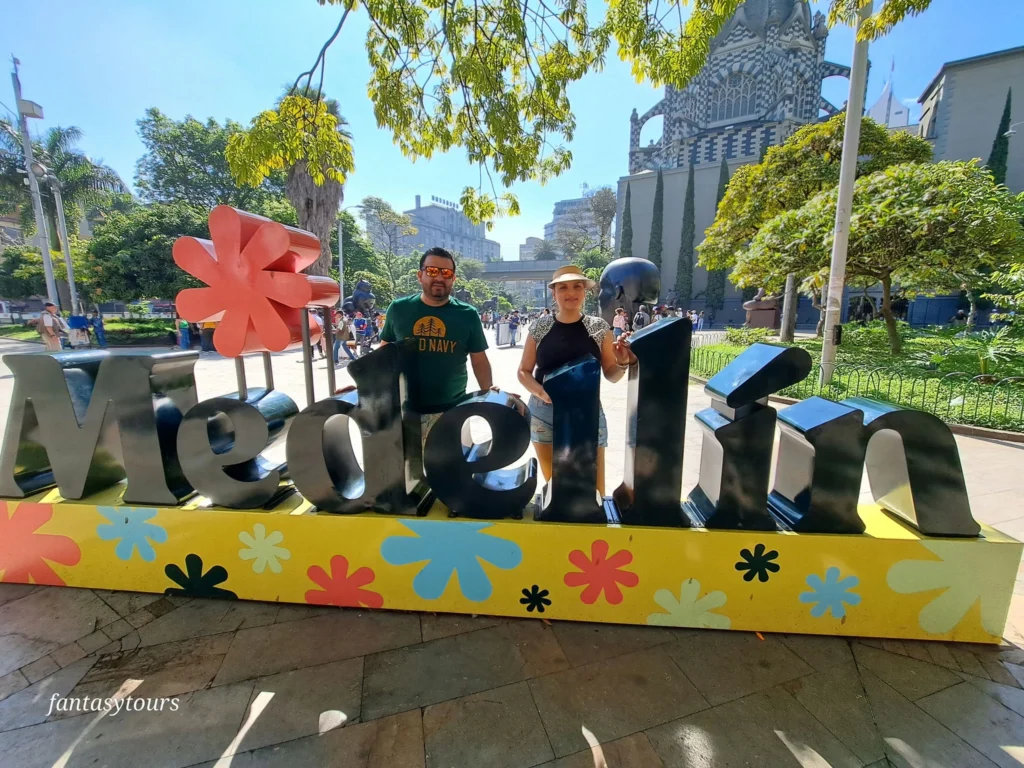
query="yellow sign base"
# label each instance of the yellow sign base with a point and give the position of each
(888, 582)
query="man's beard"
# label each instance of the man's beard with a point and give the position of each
(439, 290)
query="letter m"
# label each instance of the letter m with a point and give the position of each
(87, 420)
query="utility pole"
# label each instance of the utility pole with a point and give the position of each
(788, 329)
(28, 109)
(62, 223)
(844, 200)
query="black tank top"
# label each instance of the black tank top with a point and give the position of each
(564, 343)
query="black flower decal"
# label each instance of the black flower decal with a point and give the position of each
(535, 598)
(757, 564)
(197, 583)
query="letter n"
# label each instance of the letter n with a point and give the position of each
(87, 420)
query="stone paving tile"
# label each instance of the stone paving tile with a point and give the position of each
(437, 625)
(297, 700)
(204, 617)
(32, 705)
(201, 729)
(39, 669)
(47, 619)
(629, 752)
(981, 721)
(341, 634)
(584, 643)
(836, 698)
(1009, 697)
(727, 665)
(392, 742)
(165, 670)
(910, 677)
(768, 728)
(126, 603)
(538, 646)
(11, 592)
(12, 683)
(428, 673)
(160, 607)
(118, 629)
(294, 612)
(92, 642)
(140, 618)
(69, 654)
(820, 652)
(913, 739)
(613, 698)
(499, 728)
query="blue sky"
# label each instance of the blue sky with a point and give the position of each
(105, 62)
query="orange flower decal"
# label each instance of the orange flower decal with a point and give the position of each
(23, 552)
(254, 285)
(341, 589)
(601, 573)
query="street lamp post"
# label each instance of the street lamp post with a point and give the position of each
(28, 109)
(45, 174)
(844, 197)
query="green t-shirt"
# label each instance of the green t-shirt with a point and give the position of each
(439, 341)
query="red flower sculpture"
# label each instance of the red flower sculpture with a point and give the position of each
(23, 552)
(254, 287)
(601, 573)
(341, 589)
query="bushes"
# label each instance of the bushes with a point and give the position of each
(746, 336)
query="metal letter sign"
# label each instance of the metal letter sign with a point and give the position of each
(86, 420)
(468, 476)
(220, 444)
(652, 480)
(739, 428)
(321, 459)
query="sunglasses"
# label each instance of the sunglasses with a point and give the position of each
(444, 272)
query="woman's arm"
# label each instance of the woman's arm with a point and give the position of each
(526, 366)
(616, 356)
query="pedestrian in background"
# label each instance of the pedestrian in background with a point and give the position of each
(99, 333)
(619, 323)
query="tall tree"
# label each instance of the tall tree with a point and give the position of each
(305, 136)
(83, 182)
(791, 174)
(684, 265)
(928, 227)
(626, 236)
(547, 251)
(385, 228)
(714, 294)
(1001, 144)
(603, 206)
(184, 161)
(657, 222)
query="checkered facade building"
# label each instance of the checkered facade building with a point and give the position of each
(762, 82)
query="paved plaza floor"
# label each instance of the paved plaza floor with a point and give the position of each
(256, 684)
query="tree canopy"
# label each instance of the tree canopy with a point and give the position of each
(603, 206)
(927, 227)
(790, 174)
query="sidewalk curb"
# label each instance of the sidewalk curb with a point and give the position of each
(957, 429)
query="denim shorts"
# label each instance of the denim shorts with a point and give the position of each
(542, 418)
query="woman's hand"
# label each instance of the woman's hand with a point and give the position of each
(543, 396)
(623, 354)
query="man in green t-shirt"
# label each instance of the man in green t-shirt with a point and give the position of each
(440, 333)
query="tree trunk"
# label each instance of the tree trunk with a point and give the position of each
(316, 209)
(818, 303)
(972, 314)
(895, 344)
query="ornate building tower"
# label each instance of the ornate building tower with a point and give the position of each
(762, 81)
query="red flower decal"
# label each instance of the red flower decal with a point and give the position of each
(341, 589)
(601, 573)
(23, 552)
(254, 287)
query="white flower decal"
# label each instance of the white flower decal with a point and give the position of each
(688, 611)
(262, 549)
(966, 573)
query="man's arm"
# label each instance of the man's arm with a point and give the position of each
(481, 369)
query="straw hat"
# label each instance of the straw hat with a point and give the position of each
(570, 274)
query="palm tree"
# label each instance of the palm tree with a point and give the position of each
(316, 206)
(83, 183)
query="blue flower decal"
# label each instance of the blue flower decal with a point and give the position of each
(830, 594)
(129, 528)
(450, 547)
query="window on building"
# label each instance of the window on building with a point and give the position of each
(734, 98)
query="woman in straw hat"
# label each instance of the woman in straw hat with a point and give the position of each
(557, 339)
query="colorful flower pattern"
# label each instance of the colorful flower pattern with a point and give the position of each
(601, 573)
(341, 589)
(131, 529)
(262, 549)
(26, 554)
(831, 594)
(690, 609)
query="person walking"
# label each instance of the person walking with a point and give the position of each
(99, 333)
(343, 333)
(700, 321)
(619, 323)
(641, 319)
(206, 336)
(184, 337)
(441, 333)
(51, 327)
(513, 328)
(562, 338)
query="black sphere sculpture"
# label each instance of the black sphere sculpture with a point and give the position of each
(628, 283)
(361, 300)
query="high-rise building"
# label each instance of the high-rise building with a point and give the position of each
(442, 223)
(528, 250)
(575, 215)
(888, 109)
